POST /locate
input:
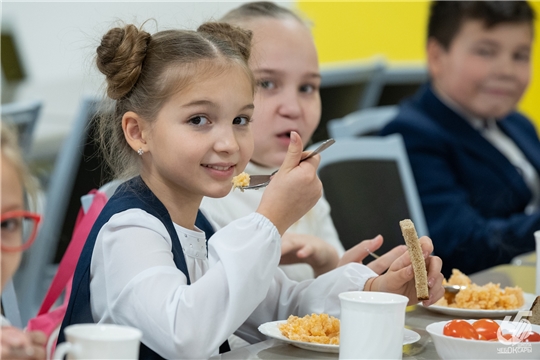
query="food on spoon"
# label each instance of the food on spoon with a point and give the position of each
(240, 181)
(314, 328)
(417, 258)
(486, 297)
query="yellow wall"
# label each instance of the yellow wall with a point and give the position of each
(361, 29)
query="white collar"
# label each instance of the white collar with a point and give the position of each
(476, 122)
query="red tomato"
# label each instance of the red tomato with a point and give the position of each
(507, 337)
(487, 328)
(532, 337)
(460, 329)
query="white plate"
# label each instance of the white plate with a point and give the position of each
(475, 313)
(271, 329)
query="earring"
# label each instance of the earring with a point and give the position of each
(140, 151)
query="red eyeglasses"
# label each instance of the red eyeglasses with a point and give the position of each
(19, 229)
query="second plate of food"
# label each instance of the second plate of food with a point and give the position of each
(479, 313)
(271, 329)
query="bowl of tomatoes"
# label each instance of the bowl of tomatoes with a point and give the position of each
(486, 339)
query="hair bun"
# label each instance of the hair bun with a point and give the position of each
(238, 38)
(120, 58)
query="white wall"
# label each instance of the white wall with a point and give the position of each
(57, 42)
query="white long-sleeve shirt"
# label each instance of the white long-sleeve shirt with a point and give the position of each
(134, 281)
(237, 204)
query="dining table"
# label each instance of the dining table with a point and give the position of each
(417, 318)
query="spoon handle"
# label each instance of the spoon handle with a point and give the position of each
(320, 149)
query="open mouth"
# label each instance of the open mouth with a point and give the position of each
(285, 135)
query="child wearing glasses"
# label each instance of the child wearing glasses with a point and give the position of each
(18, 231)
(181, 130)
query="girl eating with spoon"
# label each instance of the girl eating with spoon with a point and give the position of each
(181, 130)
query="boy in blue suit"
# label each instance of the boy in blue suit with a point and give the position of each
(475, 159)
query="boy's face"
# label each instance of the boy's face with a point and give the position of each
(286, 68)
(484, 71)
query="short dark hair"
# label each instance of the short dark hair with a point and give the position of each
(447, 17)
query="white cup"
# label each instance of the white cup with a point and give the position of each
(372, 325)
(99, 341)
(537, 239)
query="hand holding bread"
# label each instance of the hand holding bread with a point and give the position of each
(400, 277)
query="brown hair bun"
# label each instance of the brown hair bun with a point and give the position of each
(120, 58)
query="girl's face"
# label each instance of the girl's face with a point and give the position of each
(202, 137)
(285, 65)
(12, 199)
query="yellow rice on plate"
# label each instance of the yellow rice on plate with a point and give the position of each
(314, 328)
(486, 297)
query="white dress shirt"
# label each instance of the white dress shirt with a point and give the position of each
(237, 204)
(134, 281)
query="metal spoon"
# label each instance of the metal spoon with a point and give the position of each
(453, 289)
(260, 181)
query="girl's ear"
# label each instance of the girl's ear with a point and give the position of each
(135, 131)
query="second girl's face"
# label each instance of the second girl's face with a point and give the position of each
(202, 135)
(285, 65)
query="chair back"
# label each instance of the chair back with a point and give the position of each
(343, 86)
(77, 170)
(394, 84)
(10, 305)
(24, 116)
(370, 187)
(362, 122)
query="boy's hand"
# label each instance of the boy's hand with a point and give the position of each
(293, 190)
(399, 278)
(359, 252)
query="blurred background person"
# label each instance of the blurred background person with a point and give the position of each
(476, 160)
(18, 230)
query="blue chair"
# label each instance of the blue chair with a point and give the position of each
(394, 84)
(343, 86)
(77, 170)
(370, 187)
(24, 115)
(362, 122)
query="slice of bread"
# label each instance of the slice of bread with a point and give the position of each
(417, 258)
(535, 308)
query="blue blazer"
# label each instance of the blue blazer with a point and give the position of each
(473, 197)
